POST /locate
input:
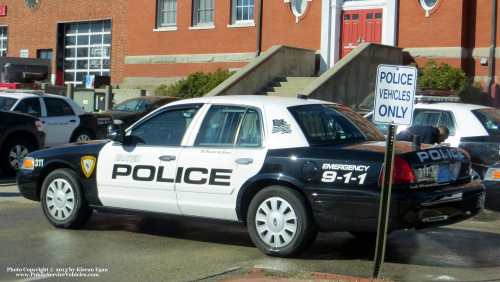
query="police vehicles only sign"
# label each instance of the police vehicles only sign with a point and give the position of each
(395, 94)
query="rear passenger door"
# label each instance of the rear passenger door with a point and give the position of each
(226, 152)
(59, 121)
(30, 106)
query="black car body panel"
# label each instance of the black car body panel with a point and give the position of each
(96, 123)
(11, 122)
(63, 156)
(483, 150)
(492, 187)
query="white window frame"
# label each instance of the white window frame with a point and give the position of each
(427, 7)
(4, 36)
(204, 25)
(240, 23)
(168, 26)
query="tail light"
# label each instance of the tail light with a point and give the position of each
(401, 172)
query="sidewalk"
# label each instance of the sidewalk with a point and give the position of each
(263, 275)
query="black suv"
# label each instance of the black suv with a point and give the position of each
(20, 134)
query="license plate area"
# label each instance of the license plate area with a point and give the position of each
(437, 173)
(444, 174)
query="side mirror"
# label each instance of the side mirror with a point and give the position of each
(115, 133)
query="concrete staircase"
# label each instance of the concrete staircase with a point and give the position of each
(286, 86)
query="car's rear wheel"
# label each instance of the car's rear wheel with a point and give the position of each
(280, 222)
(63, 201)
(82, 136)
(12, 155)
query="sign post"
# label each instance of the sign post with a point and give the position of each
(394, 100)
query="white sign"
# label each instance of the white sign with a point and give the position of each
(395, 94)
(25, 53)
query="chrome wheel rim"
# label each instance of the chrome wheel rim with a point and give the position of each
(16, 156)
(60, 199)
(475, 176)
(83, 138)
(276, 222)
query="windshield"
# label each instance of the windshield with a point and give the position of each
(6, 103)
(327, 124)
(138, 106)
(368, 101)
(490, 118)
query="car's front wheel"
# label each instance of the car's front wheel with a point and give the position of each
(63, 201)
(280, 222)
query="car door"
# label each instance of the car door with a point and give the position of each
(59, 121)
(30, 106)
(141, 175)
(436, 117)
(226, 152)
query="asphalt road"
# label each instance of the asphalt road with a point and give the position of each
(132, 248)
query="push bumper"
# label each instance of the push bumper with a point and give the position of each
(357, 211)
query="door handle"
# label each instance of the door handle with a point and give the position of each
(359, 40)
(73, 120)
(244, 161)
(167, 158)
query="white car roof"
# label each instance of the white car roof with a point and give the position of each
(20, 95)
(252, 99)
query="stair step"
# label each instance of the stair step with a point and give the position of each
(295, 79)
(289, 84)
(282, 89)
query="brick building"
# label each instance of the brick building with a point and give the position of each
(149, 42)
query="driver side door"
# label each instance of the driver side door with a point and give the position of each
(141, 174)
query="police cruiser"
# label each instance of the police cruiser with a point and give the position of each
(286, 168)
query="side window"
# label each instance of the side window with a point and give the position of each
(250, 134)
(219, 126)
(57, 107)
(167, 128)
(448, 121)
(223, 123)
(30, 106)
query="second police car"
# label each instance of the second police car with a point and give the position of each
(287, 168)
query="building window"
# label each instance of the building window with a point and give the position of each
(244, 10)
(3, 41)
(87, 50)
(44, 54)
(167, 13)
(428, 4)
(298, 7)
(203, 12)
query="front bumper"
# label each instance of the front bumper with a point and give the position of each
(492, 202)
(358, 210)
(27, 184)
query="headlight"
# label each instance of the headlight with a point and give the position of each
(492, 174)
(29, 163)
(39, 125)
(118, 121)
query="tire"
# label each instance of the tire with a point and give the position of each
(477, 175)
(63, 201)
(366, 235)
(12, 155)
(82, 136)
(294, 228)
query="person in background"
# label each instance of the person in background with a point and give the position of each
(429, 134)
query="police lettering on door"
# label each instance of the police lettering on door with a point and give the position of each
(394, 94)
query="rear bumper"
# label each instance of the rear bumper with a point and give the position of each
(492, 202)
(358, 211)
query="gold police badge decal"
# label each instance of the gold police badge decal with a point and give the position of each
(88, 164)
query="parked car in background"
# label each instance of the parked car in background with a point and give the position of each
(63, 119)
(132, 110)
(423, 95)
(492, 184)
(472, 127)
(20, 134)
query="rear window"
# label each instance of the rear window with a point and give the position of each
(490, 118)
(329, 124)
(6, 103)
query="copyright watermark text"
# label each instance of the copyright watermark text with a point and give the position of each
(56, 271)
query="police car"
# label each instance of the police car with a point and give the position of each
(63, 119)
(474, 128)
(286, 168)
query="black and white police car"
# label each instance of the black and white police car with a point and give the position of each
(287, 168)
(63, 119)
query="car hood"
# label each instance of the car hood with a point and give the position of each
(121, 114)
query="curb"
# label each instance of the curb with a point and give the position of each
(325, 276)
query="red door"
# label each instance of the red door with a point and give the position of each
(360, 26)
